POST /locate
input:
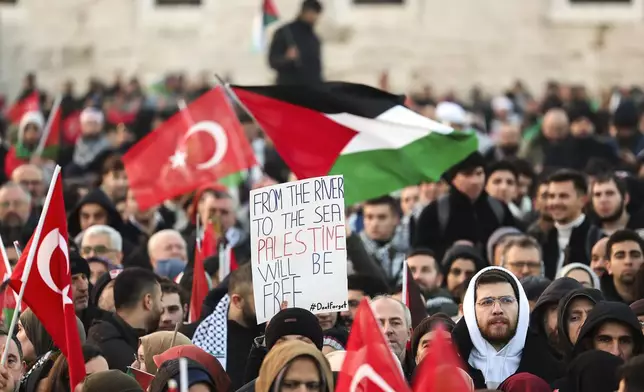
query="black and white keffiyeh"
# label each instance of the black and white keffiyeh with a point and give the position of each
(212, 334)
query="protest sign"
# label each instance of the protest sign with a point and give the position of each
(298, 245)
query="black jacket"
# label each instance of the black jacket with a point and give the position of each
(467, 221)
(117, 340)
(564, 344)
(602, 312)
(576, 252)
(307, 68)
(535, 358)
(609, 290)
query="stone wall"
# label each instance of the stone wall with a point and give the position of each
(451, 44)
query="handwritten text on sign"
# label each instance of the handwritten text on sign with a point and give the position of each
(298, 244)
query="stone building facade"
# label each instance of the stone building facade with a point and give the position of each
(452, 44)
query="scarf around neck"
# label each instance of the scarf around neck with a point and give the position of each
(212, 333)
(86, 150)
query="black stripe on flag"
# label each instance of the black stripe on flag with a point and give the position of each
(333, 97)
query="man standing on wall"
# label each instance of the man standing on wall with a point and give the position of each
(295, 51)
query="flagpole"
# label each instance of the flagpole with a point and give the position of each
(48, 125)
(30, 258)
(183, 374)
(405, 279)
(234, 97)
(16, 246)
(5, 258)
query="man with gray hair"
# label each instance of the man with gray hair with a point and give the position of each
(168, 253)
(395, 322)
(31, 177)
(101, 242)
(522, 256)
(15, 210)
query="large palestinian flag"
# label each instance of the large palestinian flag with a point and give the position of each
(363, 133)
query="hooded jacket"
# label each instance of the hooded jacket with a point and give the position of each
(462, 252)
(574, 266)
(551, 296)
(593, 295)
(523, 353)
(282, 355)
(608, 311)
(498, 236)
(592, 371)
(96, 196)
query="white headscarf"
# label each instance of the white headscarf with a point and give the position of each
(566, 269)
(496, 366)
(35, 118)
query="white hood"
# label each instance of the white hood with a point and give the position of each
(495, 366)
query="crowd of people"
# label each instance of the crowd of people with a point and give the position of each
(528, 252)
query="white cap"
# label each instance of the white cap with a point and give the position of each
(90, 114)
(451, 113)
(502, 103)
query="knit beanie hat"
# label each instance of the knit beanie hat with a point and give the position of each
(294, 321)
(78, 265)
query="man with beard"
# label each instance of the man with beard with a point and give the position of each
(625, 254)
(137, 299)
(493, 337)
(228, 333)
(15, 209)
(610, 199)
(427, 273)
(175, 305)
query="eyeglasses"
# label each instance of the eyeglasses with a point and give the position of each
(504, 301)
(533, 265)
(98, 249)
(292, 385)
(15, 203)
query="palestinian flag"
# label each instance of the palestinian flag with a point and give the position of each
(266, 17)
(30, 103)
(363, 133)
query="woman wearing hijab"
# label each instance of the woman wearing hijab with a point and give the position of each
(198, 377)
(38, 349)
(572, 311)
(581, 273)
(522, 382)
(154, 344)
(291, 365)
(212, 365)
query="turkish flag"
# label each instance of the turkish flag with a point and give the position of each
(48, 280)
(28, 104)
(440, 370)
(369, 365)
(199, 145)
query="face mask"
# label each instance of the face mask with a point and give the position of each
(170, 268)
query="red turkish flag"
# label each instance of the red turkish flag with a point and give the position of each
(199, 282)
(197, 146)
(440, 370)
(48, 291)
(369, 365)
(30, 103)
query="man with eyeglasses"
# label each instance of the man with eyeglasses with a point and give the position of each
(522, 257)
(103, 242)
(493, 337)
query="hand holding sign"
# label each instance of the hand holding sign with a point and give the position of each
(298, 244)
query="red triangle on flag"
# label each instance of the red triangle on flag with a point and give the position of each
(28, 104)
(369, 364)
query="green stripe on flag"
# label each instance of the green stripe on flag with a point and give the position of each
(369, 174)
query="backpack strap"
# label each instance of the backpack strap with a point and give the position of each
(443, 213)
(497, 209)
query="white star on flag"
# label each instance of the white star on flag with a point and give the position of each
(178, 159)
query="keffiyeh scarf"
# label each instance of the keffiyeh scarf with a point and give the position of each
(212, 334)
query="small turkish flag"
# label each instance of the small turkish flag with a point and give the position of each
(369, 365)
(199, 145)
(48, 282)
